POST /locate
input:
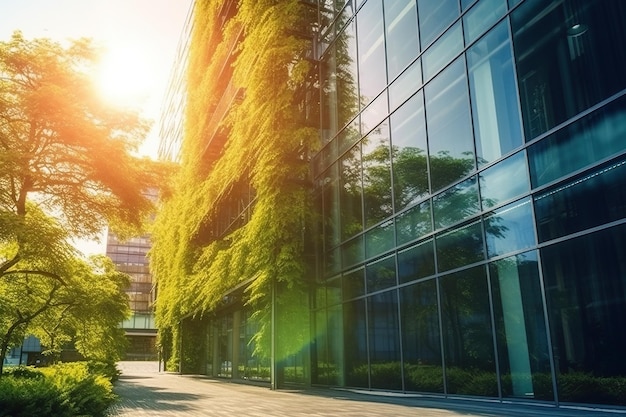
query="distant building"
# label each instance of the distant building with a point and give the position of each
(129, 256)
(471, 193)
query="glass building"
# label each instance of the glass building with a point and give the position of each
(471, 192)
(472, 195)
(129, 257)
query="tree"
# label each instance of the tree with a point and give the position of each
(85, 306)
(66, 171)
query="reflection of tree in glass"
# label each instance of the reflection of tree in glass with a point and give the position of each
(410, 175)
(351, 191)
(466, 323)
(446, 169)
(339, 87)
(377, 194)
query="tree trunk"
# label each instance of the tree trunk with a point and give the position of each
(5, 344)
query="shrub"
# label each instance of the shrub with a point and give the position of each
(107, 369)
(424, 378)
(583, 387)
(85, 393)
(31, 396)
(23, 372)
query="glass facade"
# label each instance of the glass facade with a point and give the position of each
(472, 197)
(130, 257)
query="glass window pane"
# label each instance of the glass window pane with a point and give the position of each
(505, 180)
(481, 17)
(377, 194)
(413, 223)
(465, 4)
(349, 136)
(416, 262)
(551, 63)
(380, 239)
(344, 76)
(459, 247)
(590, 139)
(494, 99)
(333, 291)
(331, 207)
(402, 36)
(373, 114)
(588, 200)
(351, 193)
(355, 344)
(434, 17)
(410, 166)
(467, 334)
(585, 281)
(336, 348)
(322, 370)
(510, 228)
(332, 261)
(520, 328)
(421, 343)
(405, 85)
(372, 63)
(329, 91)
(381, 274)
(456, 204)
(442, 51)
(450, 141)
(384, 341)
(353, 252)
(353, 284)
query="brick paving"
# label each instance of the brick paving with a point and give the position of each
(144, 391)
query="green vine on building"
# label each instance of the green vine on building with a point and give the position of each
(266, 143)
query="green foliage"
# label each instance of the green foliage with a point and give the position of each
(425, 378)
(66, 171)
(60, 139)
(265, 144)
(22, 371)
(194, 341)
(31, 397)
(84, 392)
(71, 389)
(583, 387)
(86, 306)
(106, 369)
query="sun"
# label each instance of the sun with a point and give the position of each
(123, 77)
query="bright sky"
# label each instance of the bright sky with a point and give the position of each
(140, 36)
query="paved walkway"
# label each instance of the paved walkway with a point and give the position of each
(145, 392)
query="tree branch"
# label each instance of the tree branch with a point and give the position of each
(35, 272)
(8, 264)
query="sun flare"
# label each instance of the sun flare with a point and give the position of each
(123, 77)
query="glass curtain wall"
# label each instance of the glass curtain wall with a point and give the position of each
(472, 198)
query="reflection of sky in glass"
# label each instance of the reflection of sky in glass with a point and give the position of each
(510, 228)
(405, 85)
(442, 51)
(450, 142)
(402, 37)
(374, 113)
(484, 14)
(434, 17)
(447, 113)
(372, 66)
(504, 181)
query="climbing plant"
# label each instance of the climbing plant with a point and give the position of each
(266, 147)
